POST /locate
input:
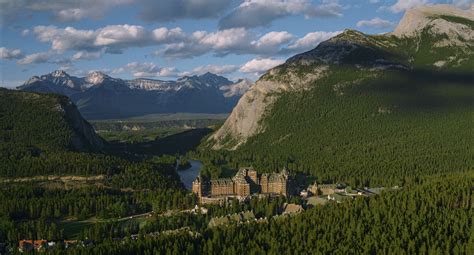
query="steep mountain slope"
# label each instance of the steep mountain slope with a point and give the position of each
(385, 105)
(101, 96)
(28, 119)
(46, 134)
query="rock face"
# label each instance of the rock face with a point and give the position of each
(100, 96)
(417, 19)
(244, 120)
(410, 46)
(84, 138)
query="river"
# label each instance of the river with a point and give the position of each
(189, 175)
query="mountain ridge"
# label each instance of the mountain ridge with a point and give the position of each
(98, 95)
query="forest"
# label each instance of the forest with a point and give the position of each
(385, 129)
(96, 185)
(433, 217)
(406, 144)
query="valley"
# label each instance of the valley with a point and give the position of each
(362, 144)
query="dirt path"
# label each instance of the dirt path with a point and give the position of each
(54, 178)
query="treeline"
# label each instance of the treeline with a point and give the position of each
(32, 212)
(60, 163)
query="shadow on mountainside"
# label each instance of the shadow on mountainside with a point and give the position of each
(424, 90)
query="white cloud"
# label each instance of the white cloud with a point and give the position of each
(175, 42)
(85, 55)
(113, 37)
(375, 23)
(403, 5)
(223, 42)
(311, 40)
(272, 40)
(242, 41)
(65, 39)
(10, 53)
(35, 58)
(260, 65)
(255, 13)
(146, 69)
(25, 32)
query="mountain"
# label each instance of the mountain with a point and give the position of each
(100, 96)
(237, 89)
(395, 103)
(28, 119)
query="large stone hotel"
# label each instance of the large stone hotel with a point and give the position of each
(245, 182)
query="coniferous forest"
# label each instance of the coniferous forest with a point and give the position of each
(368, 140)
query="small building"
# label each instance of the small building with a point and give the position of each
(304, 193)
(199, 209)
(327, 189)
(315, 201)
(292, 208)
(40, 245)
(339, 198)
(240, 217)
(214, 200)
(70, 243)
(25, 245)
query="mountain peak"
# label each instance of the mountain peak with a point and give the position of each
(59, 73)
(417, 19)
(96, 77)
(208, 75)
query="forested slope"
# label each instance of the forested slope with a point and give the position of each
(435, 217)
(367, 109)
(54, 170)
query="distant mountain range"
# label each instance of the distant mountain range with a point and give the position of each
(99, 96)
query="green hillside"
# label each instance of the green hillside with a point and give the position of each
(399, 124)
(57, 180)
(387, 109)
(44, 134)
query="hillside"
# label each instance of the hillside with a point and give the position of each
(46, 122)
(366, 107)
(57, 179)
(99, 96)
(44, 134)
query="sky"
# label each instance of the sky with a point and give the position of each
(166, 39)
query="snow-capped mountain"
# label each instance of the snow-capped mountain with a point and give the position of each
(100, 96)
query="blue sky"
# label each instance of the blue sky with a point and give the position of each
(165, 39)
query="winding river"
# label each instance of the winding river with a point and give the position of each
(189, 175)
